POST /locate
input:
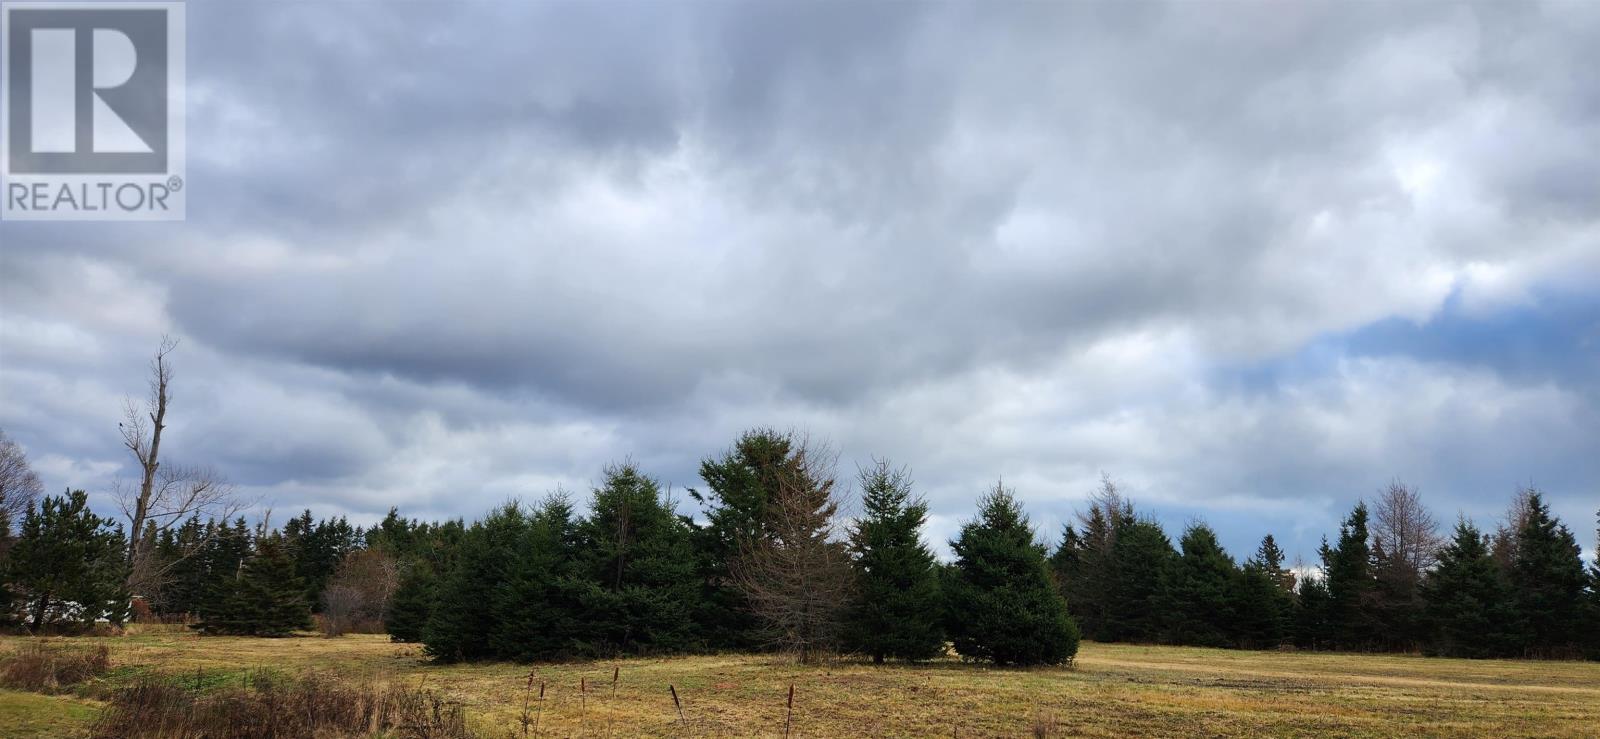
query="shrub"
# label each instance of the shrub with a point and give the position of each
(44, 668)
(312, 705)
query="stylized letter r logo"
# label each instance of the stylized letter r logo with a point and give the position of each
(88, 90)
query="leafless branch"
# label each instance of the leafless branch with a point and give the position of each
(19, 486)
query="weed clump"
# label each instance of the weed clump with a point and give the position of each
(40, 667)
(268, 707)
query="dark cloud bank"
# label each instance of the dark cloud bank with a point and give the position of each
(1254, 260)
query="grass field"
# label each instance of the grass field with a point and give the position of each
(1114, 690)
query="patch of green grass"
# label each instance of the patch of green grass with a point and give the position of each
(30, 715)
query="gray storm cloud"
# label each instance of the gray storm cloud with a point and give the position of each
(439, 255)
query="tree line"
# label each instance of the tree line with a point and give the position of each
(769, 564)
(1388, 582)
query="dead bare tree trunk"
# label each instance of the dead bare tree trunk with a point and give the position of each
(167, 493)
(145, 442)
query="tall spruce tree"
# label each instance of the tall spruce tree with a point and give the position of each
(1002, 605)
(1348, 572)
(1312, 625)
(469, 592)
(1085, 564)
(1548, 583)
(534, 612)
(1198, 594)
(182, 551)
(1142, 559)
(739, 486)
(896, 608)
(66, 566)
(267, 599)
(408, 611)
(636, 561)
(1263, 598)
(221, 565)
(1468, 607)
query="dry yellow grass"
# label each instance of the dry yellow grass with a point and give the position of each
(1115, 690)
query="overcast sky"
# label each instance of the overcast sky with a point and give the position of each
(1253, 260)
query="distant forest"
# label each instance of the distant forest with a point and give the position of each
(769, 564)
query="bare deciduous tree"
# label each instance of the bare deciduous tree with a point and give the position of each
(359, 593)
(796, 573)
(166, 494)
(1108, 509)
(1504, 548)
(1404, 529)
(19, 486)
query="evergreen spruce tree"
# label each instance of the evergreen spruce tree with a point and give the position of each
(896, 609)
(1001, 602)
(185, 579)
(1548, 583)
(1397, 605)
(67, 565)
(266, 599)
(1312, 625)
(1468, 607)
(1141, 559)
(411, 603)
(1085, 563)
(222, 563)
(1350, 583)
(1198, 594)
(1066, 565)
(316, 548)
(739, 486)
(535, 609)
(635, 558)
(469, 594)
(1263, 598)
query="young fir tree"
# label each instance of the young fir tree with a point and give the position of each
(535, 609)
(1141, 559)
(896, 608)
(1312, 625)
(1467, 605)
(636, 563)
(1548, 583)
(469, 592)
(1347, 570)
(222, 563)
(739, 486)
(411, 603)
(267, 599)
(184, 581)
(1263, 598)
(1085, 565)
(1002, 605)
(67, 565)
(316, 548)
(1197, 595)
